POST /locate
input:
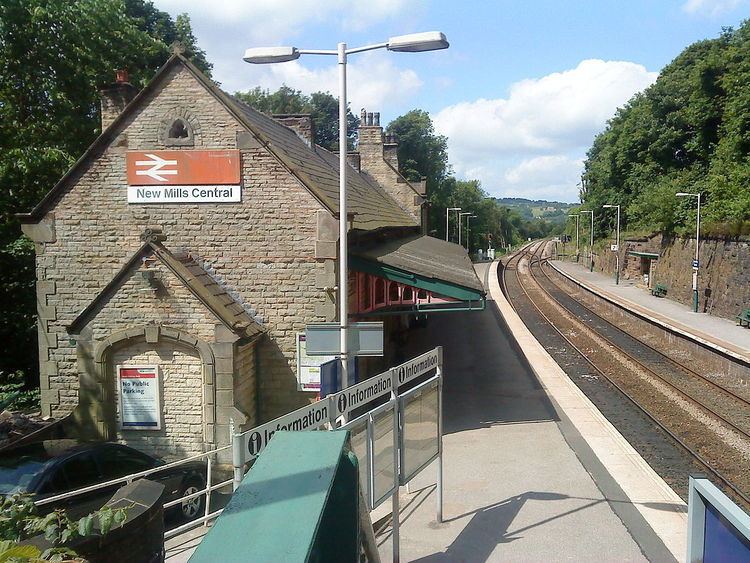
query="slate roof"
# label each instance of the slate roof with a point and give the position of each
(315, 167)
(426, 256)
(197, 280)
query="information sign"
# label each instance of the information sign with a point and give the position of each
(307, 418)
(418, 366)
(308, 367)
(362, 393)
(614, 247)
(138, 388)
(695, 263)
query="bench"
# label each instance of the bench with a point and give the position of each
(659, 290)
(744, 318)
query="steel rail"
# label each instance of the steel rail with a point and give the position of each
(670, 360)
(635, 403)
(650, 371)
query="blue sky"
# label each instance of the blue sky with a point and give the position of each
(521, 92)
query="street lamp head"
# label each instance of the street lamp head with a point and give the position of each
(265, 55)
(418, 42)
(608, 206)
(683, 194)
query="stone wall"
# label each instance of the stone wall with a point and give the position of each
(181, 381)
(263, 248)
(723, 277)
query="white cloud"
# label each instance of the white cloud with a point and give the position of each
(711, 8)
(372, 81)
(554, 117)
(270, 21)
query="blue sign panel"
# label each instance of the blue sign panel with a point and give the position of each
(722, 541)
(695, 263)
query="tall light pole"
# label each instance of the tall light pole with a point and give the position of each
(617, 243)
(459, 224)
(447, 212)
(578, 217)
(591, 247)
(696, 261)
(468, 240)
(412, 43)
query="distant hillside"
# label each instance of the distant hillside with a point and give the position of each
(552, 211)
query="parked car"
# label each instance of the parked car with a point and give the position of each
(53, 467)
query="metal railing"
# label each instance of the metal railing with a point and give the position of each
(207, 490)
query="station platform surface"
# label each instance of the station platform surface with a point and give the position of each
(720, 333)
(532, 470)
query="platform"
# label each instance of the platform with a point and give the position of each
(723, 334)
(533, 472)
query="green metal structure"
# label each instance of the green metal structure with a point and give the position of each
(301, 501)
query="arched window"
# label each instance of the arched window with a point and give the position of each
(364, 293)
(379, 291)
(179, 130)
(408, 294)
(393, 293)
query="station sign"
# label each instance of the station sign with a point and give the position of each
(306, 418)
(362, 393)
(138, 390)
(183, 176)
(417, 366)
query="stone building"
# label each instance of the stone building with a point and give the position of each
(180, 258)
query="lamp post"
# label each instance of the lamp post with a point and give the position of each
(578, 217)
(459, 224)
(447, 212)
(696, 262)
(468, 240)
(617, 243)
(412, 43)
(591, 246)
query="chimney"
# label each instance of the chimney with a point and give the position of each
(370, 140)
(354, 161)
(390, 151)
(300, 123)
(115, 97)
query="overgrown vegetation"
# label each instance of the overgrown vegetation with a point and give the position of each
(19, 520)
(688, 132)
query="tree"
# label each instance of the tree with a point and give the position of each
(55, 57)
(688, 132)
(323, 107)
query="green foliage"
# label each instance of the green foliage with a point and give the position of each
(19, 520)
(13, 386)
(688, 132)
(55, 56)
(323, 107)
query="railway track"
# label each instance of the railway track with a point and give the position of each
(708, 422)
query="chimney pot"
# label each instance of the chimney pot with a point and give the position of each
(376, 117)
(369, 118)
(122, 76)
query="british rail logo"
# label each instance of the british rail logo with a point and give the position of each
(417, 367)
(312, 419)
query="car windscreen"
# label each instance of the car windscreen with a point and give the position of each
(18, 472)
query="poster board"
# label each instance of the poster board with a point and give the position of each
(308, 367)
(139, 397)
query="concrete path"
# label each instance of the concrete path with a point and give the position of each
(515, 490)
(716, 331)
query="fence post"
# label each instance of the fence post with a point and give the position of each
(238, 456)
(440, 437)
(209, 481)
